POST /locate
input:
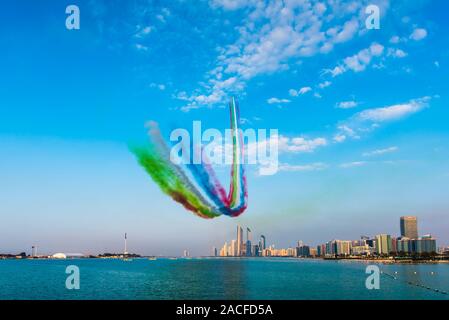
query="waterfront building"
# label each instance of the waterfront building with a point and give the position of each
(239, 241)
(234, 248)
(321, 250)
(313, 252)
(371, 242)
(424, 245)
(383, 244)
(255, 250)
(291, 252)
(248, 248)
(214, 251)
(342, 247)
(394, 246)
(409, 227)
(330, 248)
(403, 245)
(302, 251)
(262, 243)
(364, 250)
(224, 250)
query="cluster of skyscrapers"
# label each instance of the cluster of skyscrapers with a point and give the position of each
(241, 248)
(382, 245)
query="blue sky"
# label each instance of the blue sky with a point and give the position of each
(362, 116)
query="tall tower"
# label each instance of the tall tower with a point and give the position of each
(409, 227)
(262, 243)
(248, 234)
(34, 251)
(126, 247)
(248, 246)
(239, 240)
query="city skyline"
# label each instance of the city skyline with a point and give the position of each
(361, 115)
(409, 242)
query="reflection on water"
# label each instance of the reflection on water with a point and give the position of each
(218, 278)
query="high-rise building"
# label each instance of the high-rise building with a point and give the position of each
(383, 244)
(262, 243)
(409, 227)
(239, 240)
(234, 248)
(224, 250)
(248, 247)
(214, 252)
(343, 247)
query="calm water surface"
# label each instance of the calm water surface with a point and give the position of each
(218, 278)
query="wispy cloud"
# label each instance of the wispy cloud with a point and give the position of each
(353, 164)
(159, 86)
(300, 92)
(276, 34)
(347, 104)
(324, 84)
(418, 34)
(277, 101)
(393, 112)
(368, 120)
(380, 151)
(396, 53)
(307, 167)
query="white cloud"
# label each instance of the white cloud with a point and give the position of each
(339, 138)
(358, 62)
(324, 84)
(276, 100)
(160, 86)
(396, 53)
(304, 90)
(308, 167)
(361, 60)
(347, 104)
(418, 34)
(393, 112)
(348, 131)
(380, 151)
(395, 39)
(353, 164)
(231, 4)
(143, 31)
(141, 47)
(275, 34)
(300, 144)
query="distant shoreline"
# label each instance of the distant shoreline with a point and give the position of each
(443, 260)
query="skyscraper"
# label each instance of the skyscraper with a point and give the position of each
(239, 240)
(248, 234)
(409, 227)
(234, 248)
(262, 243)
(248, 242)
(383, 244)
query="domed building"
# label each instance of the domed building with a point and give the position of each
(59, 256)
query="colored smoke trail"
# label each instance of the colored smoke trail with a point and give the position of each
(196, 186)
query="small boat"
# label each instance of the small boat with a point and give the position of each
(152, 258)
